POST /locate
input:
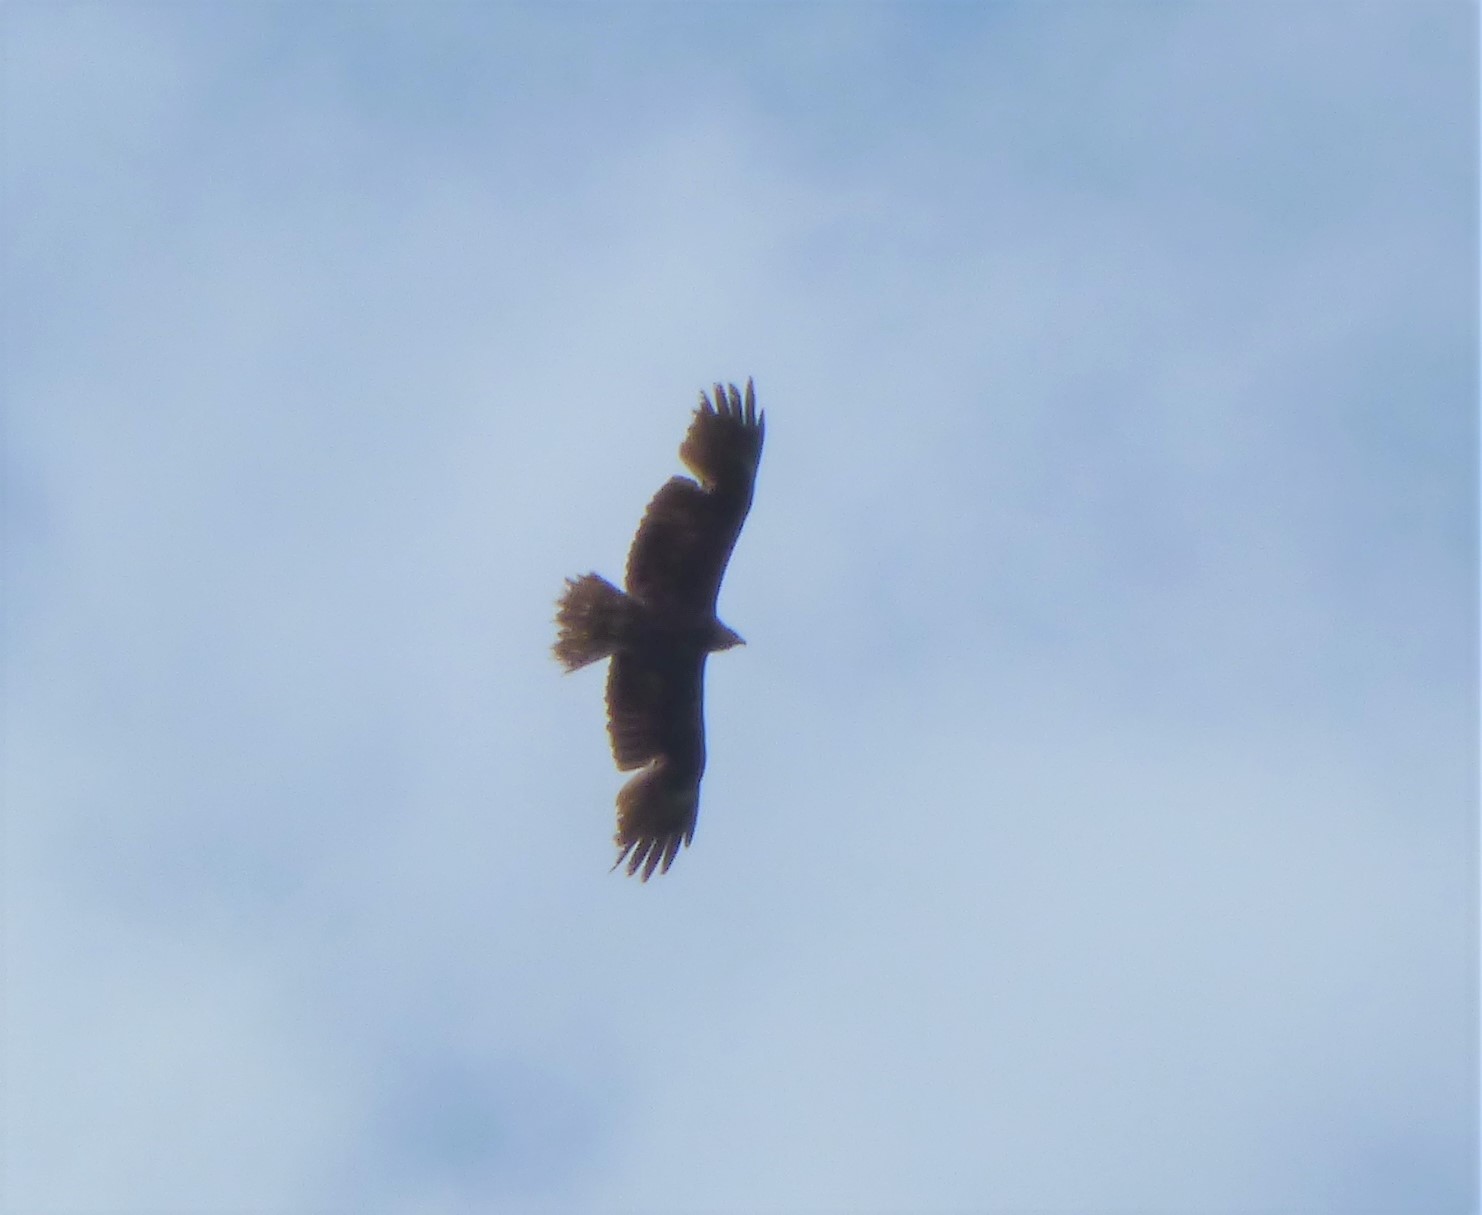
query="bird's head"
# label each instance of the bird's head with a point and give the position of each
(723, 638)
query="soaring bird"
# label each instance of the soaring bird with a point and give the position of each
(659, 631)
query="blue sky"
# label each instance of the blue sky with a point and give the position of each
(1091, 818)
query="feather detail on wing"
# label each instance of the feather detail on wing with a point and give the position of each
(685, 539)
(655, 706)
(656, 720)
(657, 810)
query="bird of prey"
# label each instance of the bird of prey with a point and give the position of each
(660, 631)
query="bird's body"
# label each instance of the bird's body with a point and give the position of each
(659, 632)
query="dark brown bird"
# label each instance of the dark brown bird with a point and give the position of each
(659, 633)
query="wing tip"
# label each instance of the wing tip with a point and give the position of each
(656, 818)
(650, 853)
(728, 401)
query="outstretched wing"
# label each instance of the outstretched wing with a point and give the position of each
(655, 716)
(655, 706)
(685, 539)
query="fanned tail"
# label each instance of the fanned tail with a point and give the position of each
(590, 617)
